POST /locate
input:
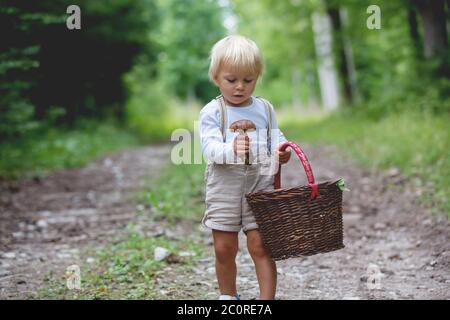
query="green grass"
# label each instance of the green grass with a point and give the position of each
(417, 143)
(50, 148)
(177, 194)
(125, 269)
(56, 148)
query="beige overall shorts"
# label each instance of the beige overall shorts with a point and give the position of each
(226, 185)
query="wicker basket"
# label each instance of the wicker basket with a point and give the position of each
(299, 221)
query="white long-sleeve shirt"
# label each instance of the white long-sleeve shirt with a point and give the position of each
(216, 150)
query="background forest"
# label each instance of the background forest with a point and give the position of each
(137, 70)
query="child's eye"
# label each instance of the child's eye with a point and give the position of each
(231, 80)
(248, 80)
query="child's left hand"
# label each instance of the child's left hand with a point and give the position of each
(284, 156)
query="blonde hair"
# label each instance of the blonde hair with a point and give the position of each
(237, 52)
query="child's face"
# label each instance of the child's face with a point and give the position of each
(236, 86)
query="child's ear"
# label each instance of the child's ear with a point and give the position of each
(215, 80)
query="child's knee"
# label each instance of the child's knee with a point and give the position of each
(257, 249)
(225, 251)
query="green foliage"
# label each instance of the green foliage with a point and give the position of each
(283, 31)
(49, 149)
(151, 111)
(389, 67)
(43, 64)
(189, 30)
(417, 142)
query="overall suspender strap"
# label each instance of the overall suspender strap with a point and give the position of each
(269, 109)
(223, 115)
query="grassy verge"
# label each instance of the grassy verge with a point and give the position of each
(417, 143)
(125, 268)
(178, 194)
(52, 148)
(55, 149)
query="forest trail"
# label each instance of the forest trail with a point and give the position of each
(45, 223)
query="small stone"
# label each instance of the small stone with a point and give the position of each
(421, 287)
(90, 260)
(379, 226)
(161, 253)
(186, 254)
(433, 263)
(63, 255)
(44, 213)
(394, 171)
(18, 235)
(107, 162)
(43, 224)
(3, 273)
(9, 255)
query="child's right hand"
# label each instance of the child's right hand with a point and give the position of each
(241, 145)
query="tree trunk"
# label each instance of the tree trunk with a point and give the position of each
(323, 41)
(339, 44)
(434, 26)
(414, 31)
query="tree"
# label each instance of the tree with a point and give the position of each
(339, 47)
(435, 42)
(189, 30)
(414, 30)
(46, 67)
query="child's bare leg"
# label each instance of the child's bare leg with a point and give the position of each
(266, 270)
(226, 248)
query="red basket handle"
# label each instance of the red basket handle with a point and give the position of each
(304, 160)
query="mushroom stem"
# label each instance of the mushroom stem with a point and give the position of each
(242, 126)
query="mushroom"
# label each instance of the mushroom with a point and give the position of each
(243, 126)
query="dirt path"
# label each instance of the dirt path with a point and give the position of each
(45, 223)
